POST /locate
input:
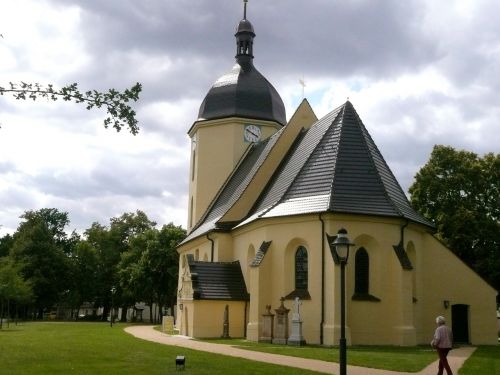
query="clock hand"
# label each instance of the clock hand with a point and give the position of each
(251, 132)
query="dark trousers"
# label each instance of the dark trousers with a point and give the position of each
(443, 361)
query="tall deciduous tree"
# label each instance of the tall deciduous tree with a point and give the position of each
(38, 251)
(460, 192)
(148, 270)
(5, 245)
(13, 288)
(110, 244)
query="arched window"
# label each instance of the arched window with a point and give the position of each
(362, 272)
(301, 274)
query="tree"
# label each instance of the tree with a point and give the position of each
(120, 114)
(13, 288)
(460, 192)
(5, 245)
(110, 244)
(165, 263)
(148, 270)
(38, 252)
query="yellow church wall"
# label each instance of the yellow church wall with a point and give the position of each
(390, 320)
(210, 169)
(273, 278)
(448, 278)
(205, 318)
(208, 318)
(409, 299)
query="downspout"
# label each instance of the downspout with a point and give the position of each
(322, 280)
(212, 248)
(245, 321)
(402, 238)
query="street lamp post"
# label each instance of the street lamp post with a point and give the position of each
(113, 291)
(341, 246)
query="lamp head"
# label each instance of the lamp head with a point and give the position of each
(341, 245)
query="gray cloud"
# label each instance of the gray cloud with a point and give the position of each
(177, 49)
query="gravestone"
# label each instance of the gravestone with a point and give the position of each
(168, 325)
(296, 337)
(267, 326)
(281, 324)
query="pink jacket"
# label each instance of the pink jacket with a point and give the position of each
(443, 337)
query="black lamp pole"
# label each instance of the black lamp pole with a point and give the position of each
(113, 290)
(342, 343)
(341, 245)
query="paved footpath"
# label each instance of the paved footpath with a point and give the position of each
(456, 358)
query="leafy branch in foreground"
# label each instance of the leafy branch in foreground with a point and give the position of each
(120, 114)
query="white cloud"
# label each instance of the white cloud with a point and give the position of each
(418, 72)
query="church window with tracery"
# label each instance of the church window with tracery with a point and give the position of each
(301, 269)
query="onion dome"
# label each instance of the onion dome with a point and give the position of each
(243, 91)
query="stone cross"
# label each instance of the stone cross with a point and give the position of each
(296, 309)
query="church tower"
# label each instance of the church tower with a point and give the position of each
(240, 109)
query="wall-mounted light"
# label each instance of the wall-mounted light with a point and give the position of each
(446, 303)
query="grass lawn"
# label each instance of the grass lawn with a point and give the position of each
(408, 359)
(53, 348)
(485, 360)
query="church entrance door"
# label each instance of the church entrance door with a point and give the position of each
(460, 323)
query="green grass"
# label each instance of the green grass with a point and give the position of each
(96, 348)
(408, 359)
(54, 348)
(485, 360)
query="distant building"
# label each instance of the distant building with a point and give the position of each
(267, 197)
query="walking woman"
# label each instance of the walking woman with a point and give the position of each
(443, 342)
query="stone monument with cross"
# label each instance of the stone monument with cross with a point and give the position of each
(296, 337)
(281, 324)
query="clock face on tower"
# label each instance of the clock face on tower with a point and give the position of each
(252, 133)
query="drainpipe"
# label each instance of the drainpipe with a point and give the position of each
(402, 238)
(212, 248)
(322, 280)
(245, 321)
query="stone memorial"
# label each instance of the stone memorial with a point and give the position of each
(267, 326)
(225, 329)
(296, 337)
(281, 324)
(168, 325)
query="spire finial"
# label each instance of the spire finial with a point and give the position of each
(245, 9)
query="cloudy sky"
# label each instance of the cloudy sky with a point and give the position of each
(419, 73)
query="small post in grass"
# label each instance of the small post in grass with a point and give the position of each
(180, 362)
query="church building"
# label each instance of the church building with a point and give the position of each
(267, 198)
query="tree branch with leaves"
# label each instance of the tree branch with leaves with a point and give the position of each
(119, 112)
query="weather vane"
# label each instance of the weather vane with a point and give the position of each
(303, 84)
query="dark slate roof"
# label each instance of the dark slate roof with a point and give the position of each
(243, 92)
(337, 168)
(218, 281)
(332, 167)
